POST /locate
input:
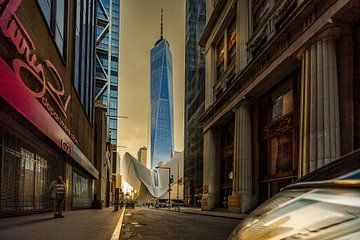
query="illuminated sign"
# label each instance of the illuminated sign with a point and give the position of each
(35, 95)
(45, 82)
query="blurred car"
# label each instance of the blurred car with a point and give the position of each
(162, 204)
(178, 203)
(130, 204)
(325, 204)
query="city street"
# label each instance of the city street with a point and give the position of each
(179, 119)
(149, 223)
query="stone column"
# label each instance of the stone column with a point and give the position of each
(242, 34)
(242, 197)
(319, 107)
(211, 171)
(210, 76)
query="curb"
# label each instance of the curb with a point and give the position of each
(117, 231)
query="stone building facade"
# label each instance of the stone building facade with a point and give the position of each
(281, 94)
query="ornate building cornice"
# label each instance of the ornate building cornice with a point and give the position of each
(283, 26)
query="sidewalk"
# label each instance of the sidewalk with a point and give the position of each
(86, 224)
(214, 213)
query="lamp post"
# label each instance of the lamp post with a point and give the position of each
(177, 187)
(170, 181)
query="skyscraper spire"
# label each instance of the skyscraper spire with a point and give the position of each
(161, 27)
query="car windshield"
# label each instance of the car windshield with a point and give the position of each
(305, 214)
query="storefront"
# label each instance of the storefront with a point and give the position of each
(27, 167)
(44, 130)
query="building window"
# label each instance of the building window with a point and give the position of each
(281, 154)
(84, 57)
(55, 14)
(278, 136)
(231, 43)
(282, 105)
(259, 8)
(226, 50)
(112, 123)
(220, 59)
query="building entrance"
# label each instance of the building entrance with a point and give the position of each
(278, 137)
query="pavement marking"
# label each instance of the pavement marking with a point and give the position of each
(116, 234)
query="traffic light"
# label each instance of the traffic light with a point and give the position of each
(171, 179)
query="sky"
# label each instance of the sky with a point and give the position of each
(140, 29)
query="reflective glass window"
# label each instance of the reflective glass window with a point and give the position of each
(220, 53)
(45, 6)
(113, 94)
(84, 54)
(231, 42)
(114, 80)
(55, 15)
(259, 8)
(282, 105)
(113, 123)
(60, 24)
(113, 102)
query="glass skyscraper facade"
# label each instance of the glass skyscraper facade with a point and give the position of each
(107, 60)
(194, 101)
(162, 122)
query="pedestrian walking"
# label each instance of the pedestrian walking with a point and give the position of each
(57, 189)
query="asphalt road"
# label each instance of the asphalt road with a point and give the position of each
(145, 223)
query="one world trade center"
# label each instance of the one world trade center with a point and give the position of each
(162, 123)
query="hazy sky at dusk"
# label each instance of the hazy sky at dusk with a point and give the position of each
(140, 29)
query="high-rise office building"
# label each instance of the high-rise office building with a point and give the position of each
(194, 101)
(107, 60)
(162, 123)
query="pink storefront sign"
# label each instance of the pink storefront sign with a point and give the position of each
(34, 100)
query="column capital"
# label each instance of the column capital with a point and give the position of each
(330, 31)
(244, 101)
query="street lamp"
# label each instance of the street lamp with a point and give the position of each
(177, 187)
(171, 179)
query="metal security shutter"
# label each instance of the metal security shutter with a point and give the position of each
(81, 191)
(27, 169)
(9, 175)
